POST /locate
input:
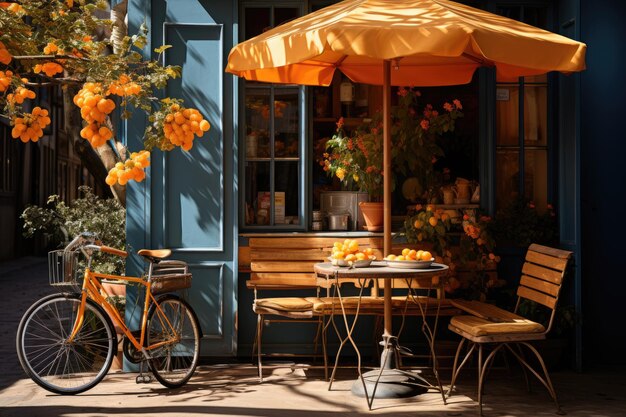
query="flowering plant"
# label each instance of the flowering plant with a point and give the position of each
(470, 256)
(358, 159)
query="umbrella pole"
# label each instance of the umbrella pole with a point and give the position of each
(388, 382)
(387, 188)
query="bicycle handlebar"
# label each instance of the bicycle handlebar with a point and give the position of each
(114, 251)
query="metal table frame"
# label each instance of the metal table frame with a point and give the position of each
(379, 270)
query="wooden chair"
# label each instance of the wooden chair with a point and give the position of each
(542, 276)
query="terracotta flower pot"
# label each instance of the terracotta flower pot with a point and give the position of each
(373, 213)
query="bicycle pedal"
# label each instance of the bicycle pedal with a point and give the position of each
(143, 379)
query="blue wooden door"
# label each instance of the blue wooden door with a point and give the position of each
(188, 203)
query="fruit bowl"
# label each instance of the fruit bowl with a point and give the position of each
(362, 263)
(410, 264)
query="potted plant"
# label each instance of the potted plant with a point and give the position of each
(357, 159)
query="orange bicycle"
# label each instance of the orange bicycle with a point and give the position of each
(66, 342)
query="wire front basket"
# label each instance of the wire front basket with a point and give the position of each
(63, 267)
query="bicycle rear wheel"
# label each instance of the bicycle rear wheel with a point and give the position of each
(54, 363)
(173, 363)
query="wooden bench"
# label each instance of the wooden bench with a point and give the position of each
(277, 263)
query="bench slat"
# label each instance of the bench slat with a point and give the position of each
(276, 266)
(317, 255)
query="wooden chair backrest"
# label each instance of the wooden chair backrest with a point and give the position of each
(287, 263)
(542, 276)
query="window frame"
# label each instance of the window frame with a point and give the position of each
(303, 161)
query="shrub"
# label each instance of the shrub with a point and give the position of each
(61, 222)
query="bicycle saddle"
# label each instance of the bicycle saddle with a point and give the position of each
(155, 255)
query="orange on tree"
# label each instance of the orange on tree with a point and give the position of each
(68, 33)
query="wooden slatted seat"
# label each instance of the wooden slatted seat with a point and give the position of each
(477, 326)
(331, 305)
(287, 264)
(542, 277)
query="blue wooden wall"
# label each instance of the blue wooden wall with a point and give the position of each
(603, 201)
(189, 200)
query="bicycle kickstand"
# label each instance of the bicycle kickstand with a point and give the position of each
(143, 378)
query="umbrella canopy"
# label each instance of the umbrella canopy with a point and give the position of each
(428, 42)
(401, 42)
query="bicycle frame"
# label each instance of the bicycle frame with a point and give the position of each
(92, 288)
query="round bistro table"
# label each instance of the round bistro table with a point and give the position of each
(387, 381)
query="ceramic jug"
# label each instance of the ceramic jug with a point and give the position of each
(448, 194)
(463, 191)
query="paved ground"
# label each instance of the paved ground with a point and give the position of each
(233, 390)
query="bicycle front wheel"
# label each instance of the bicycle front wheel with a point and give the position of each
(174, 326)
(52, 361)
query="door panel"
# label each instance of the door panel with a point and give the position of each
(187, 201)
(194, 200)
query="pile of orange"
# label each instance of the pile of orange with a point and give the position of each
(411, 255)
(349, 251)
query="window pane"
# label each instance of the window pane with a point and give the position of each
(287, 182)
(257, 193)
(257, 123)
(536, 16)
(535, 115)
(536, 177)
(536, 79)
(286, 123)
(507, 114)
(507, 173)
(257, 21)
(512, 12)
(285, 14)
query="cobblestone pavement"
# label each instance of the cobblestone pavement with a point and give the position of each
(22, 282)
(233, 389)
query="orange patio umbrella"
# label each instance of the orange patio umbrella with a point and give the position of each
(403, 43)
